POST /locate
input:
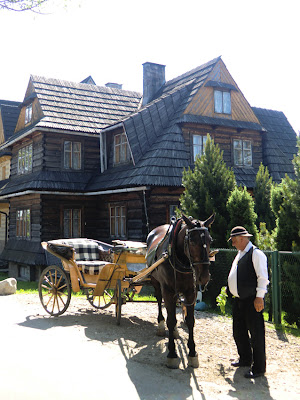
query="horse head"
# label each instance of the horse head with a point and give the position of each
(196, 241)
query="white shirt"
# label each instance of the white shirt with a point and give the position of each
(260, 264)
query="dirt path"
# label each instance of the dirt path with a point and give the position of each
(84, 354)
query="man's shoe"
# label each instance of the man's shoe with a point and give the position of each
(253, 375)
(241, 364)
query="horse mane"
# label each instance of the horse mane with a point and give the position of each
(176, 263)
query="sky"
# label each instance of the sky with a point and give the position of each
(258, 41)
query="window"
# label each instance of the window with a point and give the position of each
(242, 153)
(25, 159)
(72, 223)
(118, 221)
(72, 155)
(23, 224)
(121, 149)
(28, 114)
(4, 172)
(199, 142)
(222, 102)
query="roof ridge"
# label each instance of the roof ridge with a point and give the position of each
(192, 71)
(79, 85)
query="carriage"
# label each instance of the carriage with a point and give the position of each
(178, 257)
(107, 274)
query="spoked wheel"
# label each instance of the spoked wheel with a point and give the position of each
(100, 302)
(54, 290)
(119, 301)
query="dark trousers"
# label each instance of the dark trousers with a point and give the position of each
(249, 333)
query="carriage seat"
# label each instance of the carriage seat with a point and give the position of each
(91, 255)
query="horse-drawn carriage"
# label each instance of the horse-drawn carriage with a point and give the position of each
(175, 261)
(107, 274)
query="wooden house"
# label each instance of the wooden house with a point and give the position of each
(9, 113)
(104, 163)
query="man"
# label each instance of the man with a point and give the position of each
(247, 282)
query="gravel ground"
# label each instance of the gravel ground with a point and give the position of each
(84, 353)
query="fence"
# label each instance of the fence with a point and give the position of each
(284, 289)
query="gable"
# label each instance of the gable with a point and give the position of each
(202, 103)
(37, 113)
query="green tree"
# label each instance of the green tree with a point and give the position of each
(266, 239)
(240, 206)
(286, 206)
(262, 196)
(207, 188)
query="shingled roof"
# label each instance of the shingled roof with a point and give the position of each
(10, 111)
(47, 180)
(81, 107)
(155, 136)
(279, 143)
(159, 153)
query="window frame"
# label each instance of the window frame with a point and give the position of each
(25, 159)
(71, 233)
(202, 145)
(121, 150)
(28, 114)
(23, 223)
(69, 156)
(224, 103)
(242, 149)
(118, 222)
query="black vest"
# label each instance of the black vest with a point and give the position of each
(246, 276)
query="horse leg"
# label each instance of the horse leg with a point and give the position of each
(160, 319)
(170, 303)
(190, 321)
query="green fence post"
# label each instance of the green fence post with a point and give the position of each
(275, 288)
(279, 289)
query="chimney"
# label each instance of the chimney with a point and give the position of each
(114, 85)
(153, 80)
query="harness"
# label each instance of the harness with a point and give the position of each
(178, 265)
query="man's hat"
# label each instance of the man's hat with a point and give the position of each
(239, 231)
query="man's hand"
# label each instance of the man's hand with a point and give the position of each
(259, 304)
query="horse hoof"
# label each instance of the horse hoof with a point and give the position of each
(173, 363)
(193, 362)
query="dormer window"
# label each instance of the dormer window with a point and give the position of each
(121, 149)
(28, 114)
(222, 102)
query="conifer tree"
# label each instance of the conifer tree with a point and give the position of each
(286, 205)
(207, 188)
(240, 206)
(262, 196)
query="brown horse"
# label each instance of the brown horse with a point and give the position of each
(187, 243)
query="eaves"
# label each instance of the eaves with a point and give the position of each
(13, 139)
(109, 191)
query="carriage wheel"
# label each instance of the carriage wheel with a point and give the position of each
(54, 290)
(119, 301)
(100, 302)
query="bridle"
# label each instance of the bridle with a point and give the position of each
(187, 242)
(192, 264)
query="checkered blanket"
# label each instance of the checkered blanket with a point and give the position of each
(85, 249)
(91, 255)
